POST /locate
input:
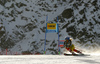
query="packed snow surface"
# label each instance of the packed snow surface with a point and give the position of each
(49, 59)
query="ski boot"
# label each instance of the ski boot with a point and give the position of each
(80, 53)
(73, 53)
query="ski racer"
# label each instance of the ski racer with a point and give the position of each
(69, 46)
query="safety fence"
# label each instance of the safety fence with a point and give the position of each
(8, 52)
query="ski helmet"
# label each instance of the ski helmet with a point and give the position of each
(68, 38)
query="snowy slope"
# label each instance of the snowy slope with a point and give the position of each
(49, 59)
(24, 23)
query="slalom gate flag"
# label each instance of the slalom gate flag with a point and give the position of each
(51, 27)
(61, 43)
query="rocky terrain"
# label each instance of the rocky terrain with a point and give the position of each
(23, 24)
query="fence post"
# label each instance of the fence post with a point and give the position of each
(6, 51)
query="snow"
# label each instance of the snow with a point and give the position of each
(1, 8)
(37, 13)
(49, 59)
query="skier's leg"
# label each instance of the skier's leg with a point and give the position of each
(78, 51)
(71, 49)
(68, 49)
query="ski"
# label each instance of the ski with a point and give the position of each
(76, 54)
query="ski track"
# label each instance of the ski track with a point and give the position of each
(48, 59)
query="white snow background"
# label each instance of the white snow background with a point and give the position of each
(49, 59)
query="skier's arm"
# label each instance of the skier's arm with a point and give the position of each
(64, 43)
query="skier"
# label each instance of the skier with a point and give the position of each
(69, 46)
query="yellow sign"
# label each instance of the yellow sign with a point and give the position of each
(51, 26)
